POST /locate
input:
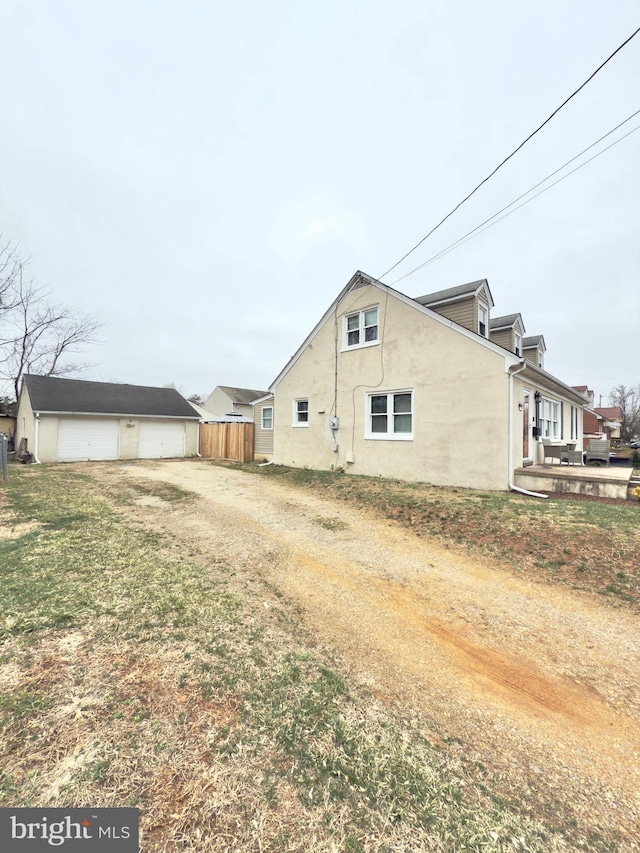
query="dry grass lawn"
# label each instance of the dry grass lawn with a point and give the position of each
(135, 671)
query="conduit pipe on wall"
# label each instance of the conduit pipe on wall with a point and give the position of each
(36, 438)
(513, 488)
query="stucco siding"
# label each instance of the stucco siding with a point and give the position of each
(25, 426)
(459, 396)
(127, 437)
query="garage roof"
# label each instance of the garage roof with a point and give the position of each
(52, 394)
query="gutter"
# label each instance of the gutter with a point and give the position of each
(512, 487)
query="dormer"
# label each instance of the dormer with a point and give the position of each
(469, 305)
(533, 349)
(508, 332)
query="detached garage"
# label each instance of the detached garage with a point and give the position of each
(72, 420)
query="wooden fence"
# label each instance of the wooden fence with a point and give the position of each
(227, 441)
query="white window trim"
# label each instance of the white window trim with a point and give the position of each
(363, 343)
(482, 307)
(518, 344)
(262, 411)
(295, 422)
(553, 436)
(378, 436)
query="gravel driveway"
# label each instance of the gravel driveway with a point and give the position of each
(538, 683)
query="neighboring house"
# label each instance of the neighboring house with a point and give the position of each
(8, 420)
(70, 420)
(263, 409)
(207, 417)
(416, 389)
(599, 422)
(611, 420)
(226, 400)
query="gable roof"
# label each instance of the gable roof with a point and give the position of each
(361, 279)
(534, 341)
(49, 394)
(506, 322)
(610, 413)
(241, 395)
(451, 294)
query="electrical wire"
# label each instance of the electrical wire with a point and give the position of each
(513, 153)
(475, 232)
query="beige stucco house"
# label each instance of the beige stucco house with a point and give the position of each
(70, 420)
(417, 389)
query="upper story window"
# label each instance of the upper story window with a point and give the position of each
(483, 320)
(361, 328)
(540, 359)
(518, 344)
(301, 412)
(267, 417)
(390, 415)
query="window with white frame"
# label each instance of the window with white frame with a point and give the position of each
(361, 328)
(550, 418)
(483, 319)
(267, 417)
(518, 344)
(390, 415)
(540, 359)
(574, 423)
(301, 412)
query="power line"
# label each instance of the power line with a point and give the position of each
(475, 232)
(515, 151)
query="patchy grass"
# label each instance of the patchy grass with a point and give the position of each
(137, 673)
(590, 545)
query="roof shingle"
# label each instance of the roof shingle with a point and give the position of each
(52, 394)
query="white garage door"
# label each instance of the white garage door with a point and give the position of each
(160, 439)
(80, 439)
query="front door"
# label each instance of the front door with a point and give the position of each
(526, 428)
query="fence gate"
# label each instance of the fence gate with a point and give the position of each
(227, 441)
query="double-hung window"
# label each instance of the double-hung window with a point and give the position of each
(361, 328)
(574, 423)
(483, 319)
(301, 412)
(518, 344)
(550, 418)
(390, 415)
(267, 417)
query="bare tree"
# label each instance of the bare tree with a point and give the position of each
(628, 401)
(11, 271)
(36, 335)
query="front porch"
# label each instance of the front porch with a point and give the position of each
(578, 480)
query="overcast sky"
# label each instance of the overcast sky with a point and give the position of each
(205, 177)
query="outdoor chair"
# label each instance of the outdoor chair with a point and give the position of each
(598, 452)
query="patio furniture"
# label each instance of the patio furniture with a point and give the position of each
(598, 452)
(552, 451)
(562, 452)
(574, 457)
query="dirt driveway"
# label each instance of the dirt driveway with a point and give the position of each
(538, 683)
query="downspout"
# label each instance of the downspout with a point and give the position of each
(35, 439)
(513, 488)
(198, 442)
